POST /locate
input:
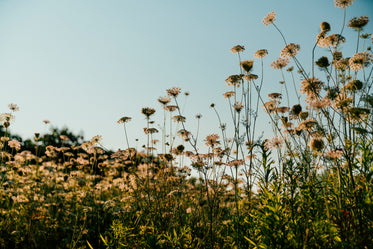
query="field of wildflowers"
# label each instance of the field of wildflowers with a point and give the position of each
(308, 186)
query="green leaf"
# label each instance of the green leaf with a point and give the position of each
(252, 242)
(89, 245)
(103, 239)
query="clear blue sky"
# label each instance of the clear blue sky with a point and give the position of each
(86, 63)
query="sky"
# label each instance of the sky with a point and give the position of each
(83, 64)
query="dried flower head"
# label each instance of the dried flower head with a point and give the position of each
(311, 87)
(316, 144)
(184, 134)
(296, 109)
(14, 144)
(342, 3)
(237, 49)
(358, 23)
(280, 63)
(322, 62)
(123, 120)
(341, 64)
(359, 60)
(6, 117)
(282, 109)
(357, 114)
(13, 107)
(290, 69)
(234, 80)
(353, 85)
(342, 101)
(174, 91)
(274, 143)
(150, 130)
(96, 139)
(247, 65)
(269, 19)
(236, 163)
(270, 106)
(290, 50)
(333, 154)
(147, 111)
(261, 53)
(319, 104)
(229, 94)
(250, 77)
(320, 39)
(365, 36)
(303, 115)
(171, 108)
(332, 41)
(164, 100)
(64, 138)
(179, 118)
(325, 26)
(212, 140)
(332, 93)
(275, 95)
(238, 106)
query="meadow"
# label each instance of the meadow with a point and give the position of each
(308, 185)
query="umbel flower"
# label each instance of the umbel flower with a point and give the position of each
(212, 140)
(164, 100)
(280, 63)
(270, 106)
(171, 108)
(96, 139)
(247, 65)
(236, 163)
(13, 107)
(229, 94)
(150, 130)
(322, 62)
(237, 49)
(359, 60)
(269, 19)
(6, 117)
(249, 77)
(274, 143)
(353, 85)
(174, 91)
(147, 111)
(123, 120)
(260, 53)
(325, 26)
(296, 109)
(316, 144)
(333, 154)
(275, 95)
(358, 23)
(332, 40)
(234, 80)
(178, 118)
(342, 3)
(238, 106)
(311, 87)
(341, 64)
(290, 50)
(14, 144)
